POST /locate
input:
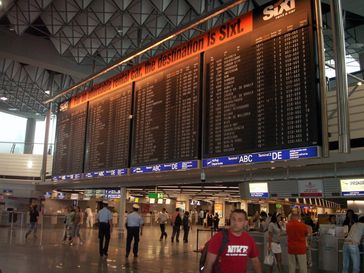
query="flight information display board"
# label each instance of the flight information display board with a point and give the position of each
(166, 115)
(70, 140)
(260, 88)
(108, 126)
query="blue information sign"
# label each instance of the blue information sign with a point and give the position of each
(67, 177)
(277, 155)
(259, 194)
(176, 166)
(116, 172)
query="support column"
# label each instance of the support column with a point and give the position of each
(122, 206)
(341, 78)
(29, 136)
(43, 171)
(361, 63)
(323, 83)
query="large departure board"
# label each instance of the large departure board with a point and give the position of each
(260, 88)
(70, 140)
(108, 126)
(166, 115)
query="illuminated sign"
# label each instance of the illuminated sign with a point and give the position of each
(156, 195)
(278, 155)
(177, 166)
(258, 190)
(352, 187)
(310, 188)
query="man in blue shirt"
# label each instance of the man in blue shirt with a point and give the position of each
(134, 224)
(104, 218)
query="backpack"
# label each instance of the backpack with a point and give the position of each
(178, 220)
(224, 243)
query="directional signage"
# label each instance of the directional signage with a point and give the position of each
(277, 155)
(185, 165)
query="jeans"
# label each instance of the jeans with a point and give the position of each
(133, 233)
(351, 251)
(163, 231)
(104, 234)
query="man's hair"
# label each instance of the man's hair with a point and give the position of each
(241, 211)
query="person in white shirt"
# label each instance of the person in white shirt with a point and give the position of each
(89, 217)
(104, 218)
(351, 247)
(162, 219)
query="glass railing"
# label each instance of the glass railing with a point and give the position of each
(25, 148)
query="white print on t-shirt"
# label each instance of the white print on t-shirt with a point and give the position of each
(236, 250)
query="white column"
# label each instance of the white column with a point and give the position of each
(122, 206)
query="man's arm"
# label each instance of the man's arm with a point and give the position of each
(256, 265)
(209, 263)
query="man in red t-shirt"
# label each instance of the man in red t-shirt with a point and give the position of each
(296, 236)
(241, 246)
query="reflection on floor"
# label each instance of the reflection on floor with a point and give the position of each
(47, 254)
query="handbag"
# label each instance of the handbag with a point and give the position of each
(269, 258)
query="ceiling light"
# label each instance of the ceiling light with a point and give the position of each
(47, 92)
(4, 98)
(30, 164)
(1, 3)
(13, 109)
(359, 83)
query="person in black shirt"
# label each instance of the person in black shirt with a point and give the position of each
(33, 220)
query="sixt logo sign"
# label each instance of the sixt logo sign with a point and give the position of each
(279, 9)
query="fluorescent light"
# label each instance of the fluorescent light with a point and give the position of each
(4, 98)
(30, 164)
(13, 109)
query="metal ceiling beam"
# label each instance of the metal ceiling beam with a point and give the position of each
(39, 53)
(154, 44)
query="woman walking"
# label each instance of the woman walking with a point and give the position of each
(274, 237)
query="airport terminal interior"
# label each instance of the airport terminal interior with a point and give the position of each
(173, 114)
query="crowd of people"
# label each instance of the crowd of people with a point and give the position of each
(299, 229)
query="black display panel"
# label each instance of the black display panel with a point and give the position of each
(260, 88)
(166, 115)
(108, 126)
(70, 140)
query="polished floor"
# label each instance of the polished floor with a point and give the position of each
(47, 254)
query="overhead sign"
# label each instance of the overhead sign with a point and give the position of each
(278, 155)
(258, 190)
(115, 172)
(112, 194)
(156, 195)
(310, 188)
(352, 187)
(186, 165)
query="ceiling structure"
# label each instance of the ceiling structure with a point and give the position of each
(47, 46)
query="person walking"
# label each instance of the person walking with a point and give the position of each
(89, 217)
(296, 237)
(78, 221)
(201, 217)
(187, 225)
(351, 247)
(134, 224)
(104, 218)
(176, 225)
(33, 221)
(162, 220)
(215, 223)
(240, 247)
(274, 241)
(70, 219)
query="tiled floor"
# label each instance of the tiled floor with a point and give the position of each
(46, 253)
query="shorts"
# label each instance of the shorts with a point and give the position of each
(276, 248)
